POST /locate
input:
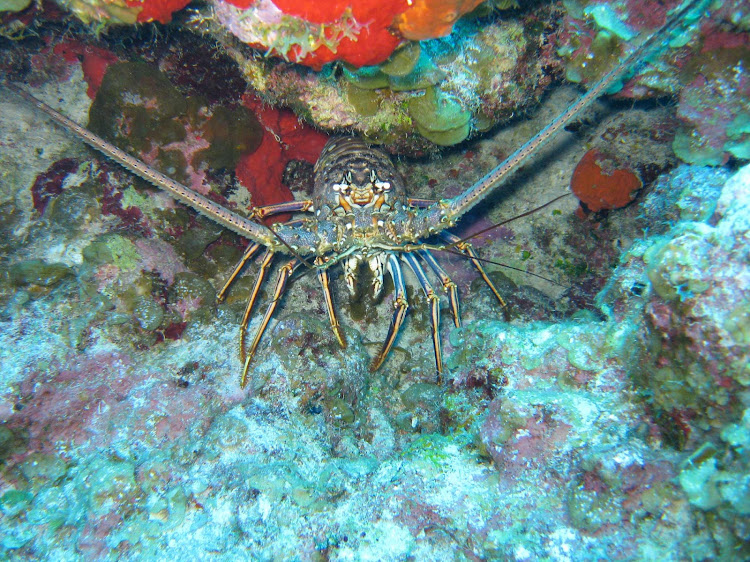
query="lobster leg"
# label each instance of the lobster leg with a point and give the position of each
(324, 282)
(264, 265)
(250, 251)
(434, 307)
(400, 304)
(288, 207)
(448, 284)
(467, 249)
(284, 274)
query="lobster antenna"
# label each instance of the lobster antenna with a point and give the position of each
(256, 231)
(500, 264)
(506, 221)
(454, 208)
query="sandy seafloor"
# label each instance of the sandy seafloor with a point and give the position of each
(543, 441)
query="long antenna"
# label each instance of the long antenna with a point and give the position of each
(452, 209)
(234, 222)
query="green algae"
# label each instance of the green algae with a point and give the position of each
(148, 313)
(135, 106)
(606, 18)
(112, 249)
(689, 146)
(676, 266)
(15, 502)
(449, 137)
(431, 450)
(12, 441)
(173, 164)
(605, 50)
(340, 412)
(191, 287)
(194, 241)
(14, 5)
(107, 483)
(231, 133)
(439, 117)
(699, 484)
(403, 60)
(38, 273)
(42, 468)
(437, 112)
(424, 74)
(366, 102)
(52, 507)
(366, 77)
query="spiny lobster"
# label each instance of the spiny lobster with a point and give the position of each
(360, 214)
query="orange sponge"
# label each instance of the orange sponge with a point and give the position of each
(432, 18)
(599, 185)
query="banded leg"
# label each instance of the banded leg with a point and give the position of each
(279, 208)
(468, 250)
(264, 265)
(250, 251)
(434, 307)
(448, 284)
(400, 304)
(324, 282)
(284, 274)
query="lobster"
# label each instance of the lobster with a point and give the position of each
(359, 214)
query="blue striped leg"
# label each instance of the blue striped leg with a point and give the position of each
(467, 249)
(429, 292)
(324, 282)
(284, 274)
(448, 284)
(400, 305)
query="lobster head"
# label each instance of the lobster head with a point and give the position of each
(356, 181)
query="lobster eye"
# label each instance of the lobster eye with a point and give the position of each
(373, 176)
(348, 177)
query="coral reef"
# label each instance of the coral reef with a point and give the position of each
(702, 66)
(700, 280)
(436, 92)
(603, 414)
(394, 70)
(125, 432)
